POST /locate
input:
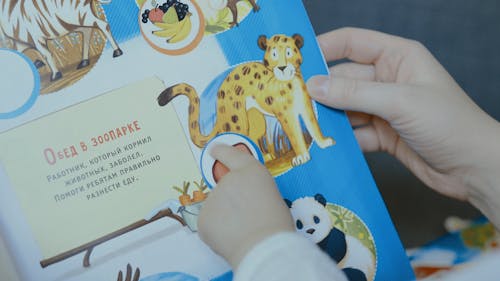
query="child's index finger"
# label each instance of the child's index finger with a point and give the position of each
(227, 152)
(233, 157)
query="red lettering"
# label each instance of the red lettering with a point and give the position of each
(130, 128)
(50, 156)
(136, 125)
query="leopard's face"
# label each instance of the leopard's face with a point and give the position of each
(282, 55)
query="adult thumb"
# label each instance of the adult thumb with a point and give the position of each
(386, 100)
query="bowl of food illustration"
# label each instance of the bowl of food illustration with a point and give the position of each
(172, 27)
(191, 202)
(190, 215)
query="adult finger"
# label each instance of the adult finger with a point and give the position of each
(359, 118)
(381, 99)
(352, 70)
(360, 45)
(232, 157)
(367, 139)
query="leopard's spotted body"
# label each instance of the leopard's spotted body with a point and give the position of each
(274, 87)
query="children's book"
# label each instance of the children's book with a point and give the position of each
(107, 109)
(465, 244)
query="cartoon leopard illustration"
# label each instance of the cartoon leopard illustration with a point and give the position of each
(274, 87)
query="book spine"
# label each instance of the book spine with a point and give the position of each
(7, 269)
(16, 236)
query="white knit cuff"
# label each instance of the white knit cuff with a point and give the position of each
(287, 256)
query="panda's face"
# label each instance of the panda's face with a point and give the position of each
(311, 219)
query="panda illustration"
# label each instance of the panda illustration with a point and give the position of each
(313, 221)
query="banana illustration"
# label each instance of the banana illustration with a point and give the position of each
(163, 25)
(168, 29)
(170, 25)
(183, 31)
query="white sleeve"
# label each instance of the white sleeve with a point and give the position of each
(287, 256)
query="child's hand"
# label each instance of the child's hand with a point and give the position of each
(402, 101)
(244, 208)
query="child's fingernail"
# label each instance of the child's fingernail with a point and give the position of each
(318, 86)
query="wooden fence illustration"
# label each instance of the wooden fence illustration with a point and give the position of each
(88, 247)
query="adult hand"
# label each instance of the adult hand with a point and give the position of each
(399, 99)
(243, 209)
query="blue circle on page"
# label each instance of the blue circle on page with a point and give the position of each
(16, 99)
(207, 161)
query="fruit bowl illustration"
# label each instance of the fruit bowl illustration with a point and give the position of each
(173, 27)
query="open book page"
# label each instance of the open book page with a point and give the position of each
(98, 196)
(103, 169)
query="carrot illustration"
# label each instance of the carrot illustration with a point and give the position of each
(184, 198)
(200, 195)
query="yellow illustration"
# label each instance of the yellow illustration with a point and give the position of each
(63, 38)
(483, 236)
(172, 27)
(275, 88)
(221, 15)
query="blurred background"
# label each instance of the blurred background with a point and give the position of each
(464, 36)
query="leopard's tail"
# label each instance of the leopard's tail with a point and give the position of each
(187, 90)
